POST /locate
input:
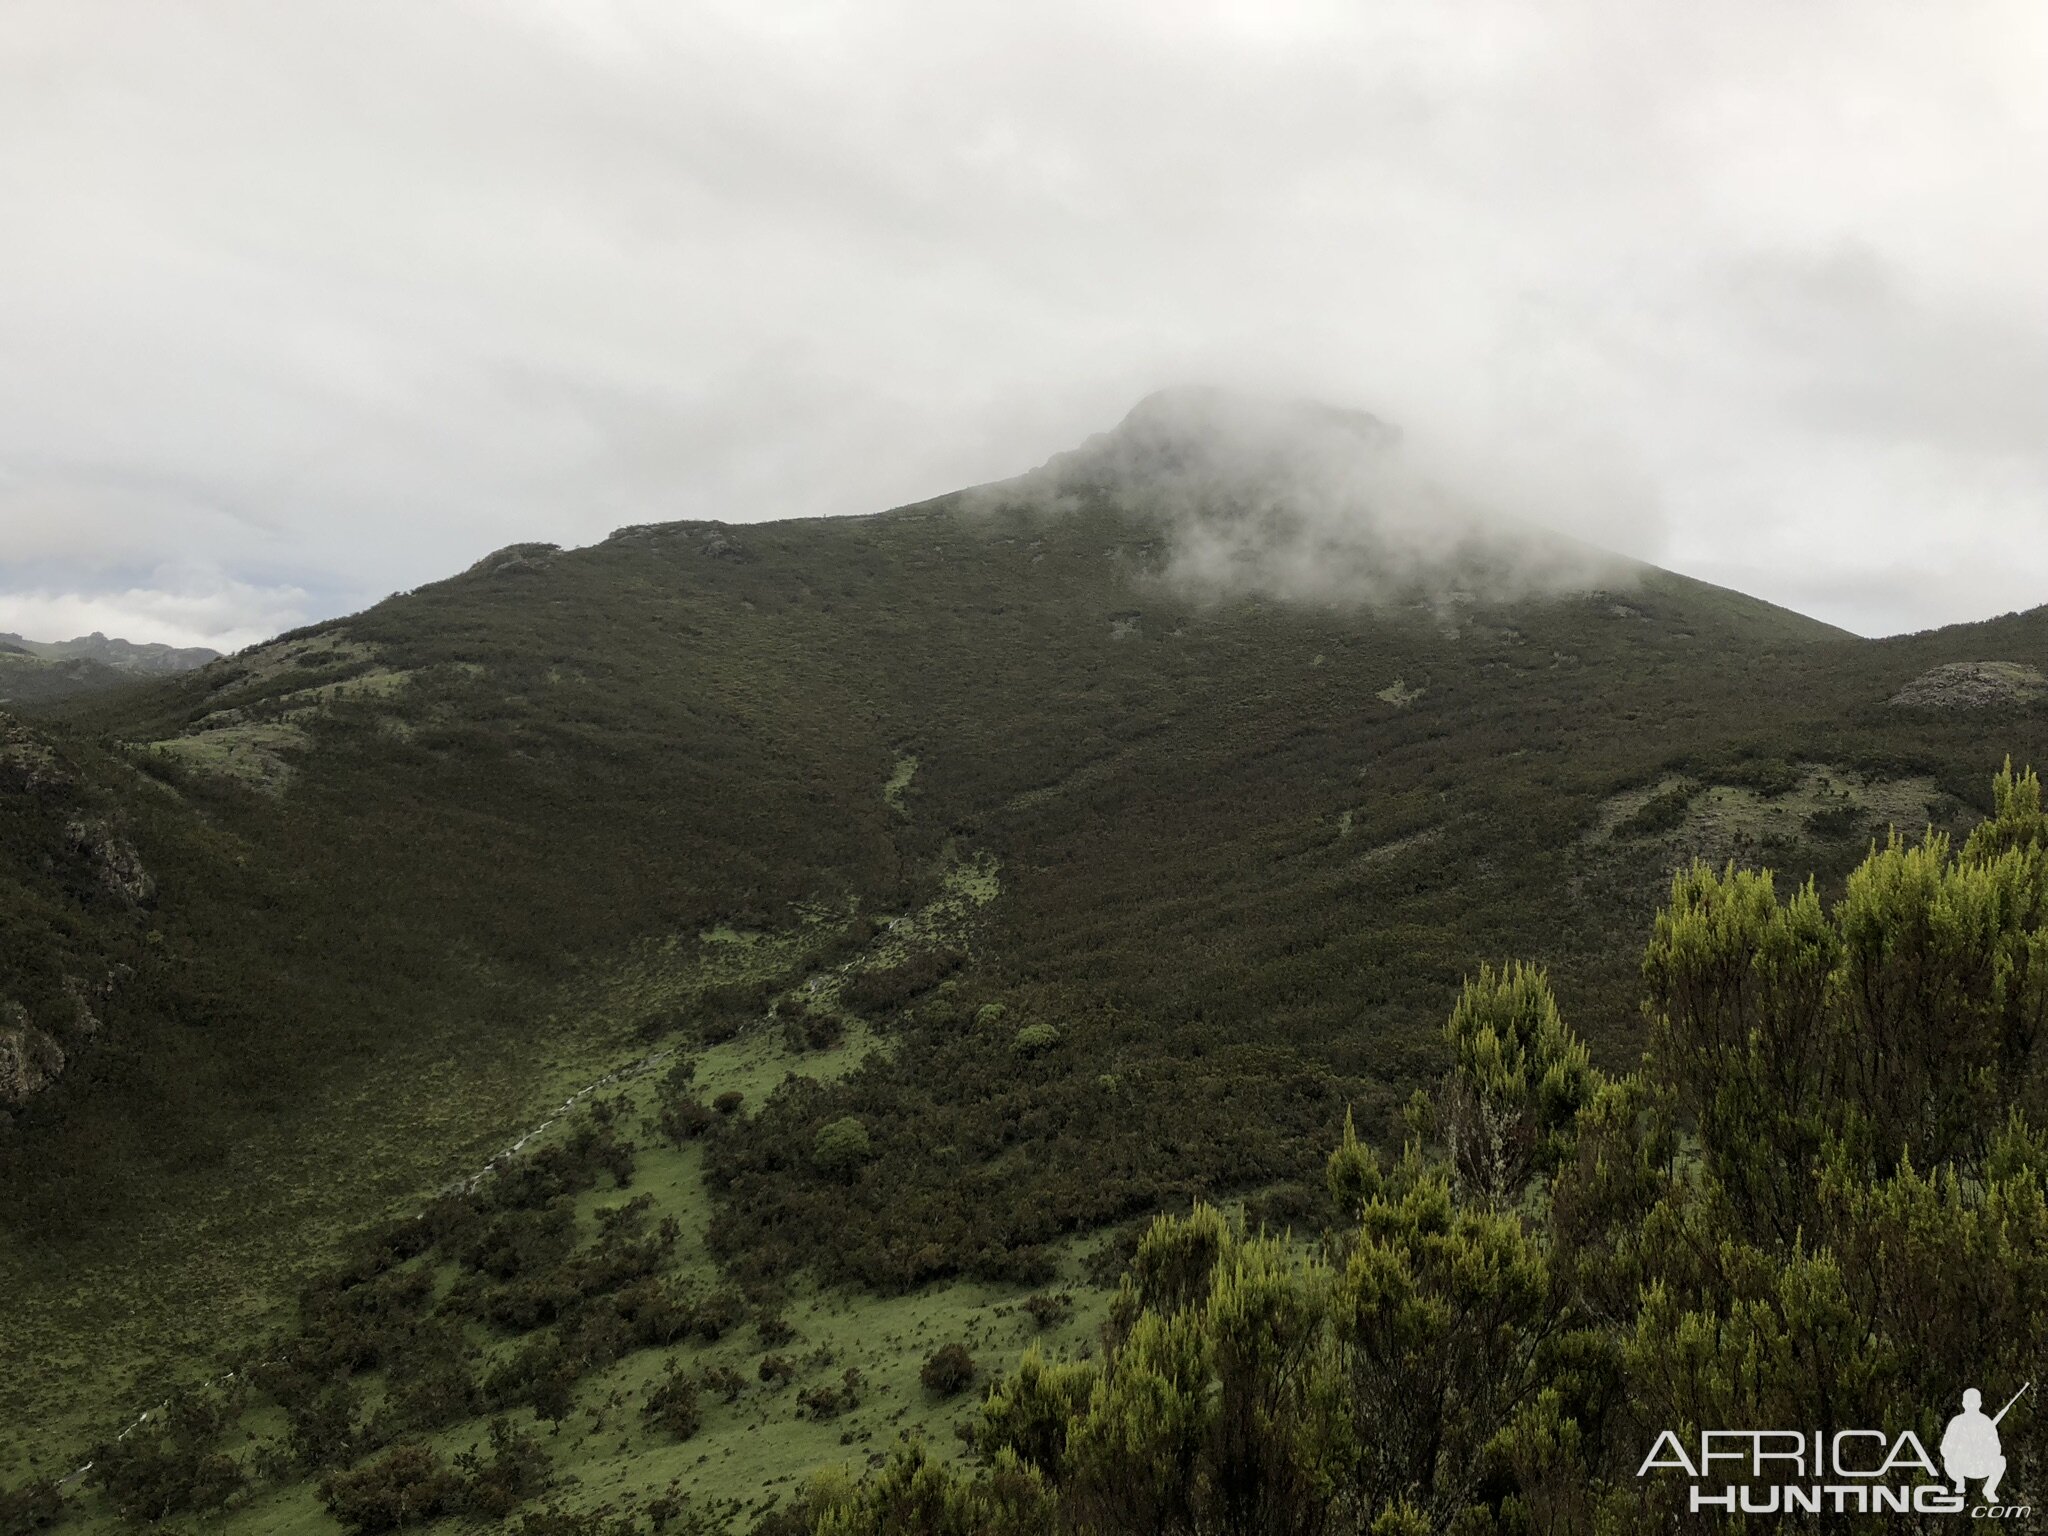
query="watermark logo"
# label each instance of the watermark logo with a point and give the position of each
(1846, 1471)
(1970, 1447)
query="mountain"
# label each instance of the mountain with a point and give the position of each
(1092, 841)
(42, 671)
(147, 659)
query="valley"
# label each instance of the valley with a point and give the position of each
(1085, 881)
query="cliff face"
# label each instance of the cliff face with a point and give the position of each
(73, 891)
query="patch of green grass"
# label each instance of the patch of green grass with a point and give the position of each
(899, 782)
(754, 1449)
(255, 754)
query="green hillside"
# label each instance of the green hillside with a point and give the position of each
(1088, 856)
(29, 679)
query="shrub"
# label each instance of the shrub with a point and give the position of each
(828, 1402)
(672, 1406)
(538, 1178)
(1835, 821)
(322, 1427)
(948, 1371)
(806, 1028)
(518, 1242)
(435, 1388)
(1768, 776)
(1660, 813)
(406, 1486)
(516, 1471)
(1048, 1309)
(842, 1146)
(556, 1521)
(31, 1507)
(678, 1113)
(170, 1464)
(684, 1119)
(652, 1313)
(712, 1318)
(822, 1031)
(892, 986)
(726, 1382)
(540, 1374)
(720, 1030)
(1035, 1039)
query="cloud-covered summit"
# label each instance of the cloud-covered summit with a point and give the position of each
(1299, 500)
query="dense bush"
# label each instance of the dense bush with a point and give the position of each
(172, 1462)
(717, 1312)
(672, 1405)
(1836, 821)
(890, 987)
(515, 1471)
(408, 1485)
(1035, 1039)
(948, 1371)
(841, 1146)
(34, 1506)
(678, 1114)
(1804, 1207)
(1660, 813)
(827, 1401)
(727, 1382)
(1048, 1309)
(806, 1028)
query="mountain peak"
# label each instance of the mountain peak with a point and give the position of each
(1223, 434)
(1208, 412)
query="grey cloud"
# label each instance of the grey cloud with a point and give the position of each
(329, 298)
(1297, 501)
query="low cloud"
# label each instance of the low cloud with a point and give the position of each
(339, 295)
(1299, 501)
(172, 607)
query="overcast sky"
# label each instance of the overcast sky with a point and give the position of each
(304, 303)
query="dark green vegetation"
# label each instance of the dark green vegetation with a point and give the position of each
(292, 940)
(1818, 1201)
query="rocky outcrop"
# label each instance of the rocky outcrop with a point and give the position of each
(25, 763)
(79, 891)
(30, 1058)
(713, 540)
(515, 560)
(1974, 685)
(117, 868)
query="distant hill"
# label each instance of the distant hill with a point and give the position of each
(1095, 839)
(146, 659)
(41, 671)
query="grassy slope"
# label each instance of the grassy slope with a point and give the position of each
(1239, 880)
(753, 1449)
